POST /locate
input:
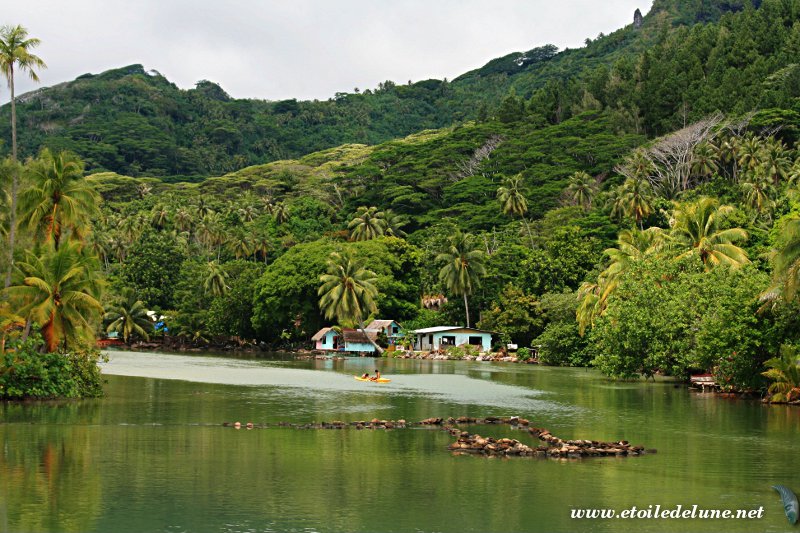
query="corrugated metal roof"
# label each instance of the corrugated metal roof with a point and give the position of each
(355, 335)
(380, 324)
(439, 329)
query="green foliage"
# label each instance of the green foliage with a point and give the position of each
(461, 352)
(26, 373)
(677, 319)
(231, 313)
(285, 298)
(516, 316)
(561, 345)
(152, 269)
(784, 372)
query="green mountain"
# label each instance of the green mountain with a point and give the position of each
(135, 122)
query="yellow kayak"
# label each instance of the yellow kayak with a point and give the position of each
(381, 380)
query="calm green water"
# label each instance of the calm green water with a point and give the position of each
(153, 454)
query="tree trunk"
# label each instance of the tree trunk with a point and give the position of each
(527, 227)
(12, 230)
(363, 330)
(466, 308)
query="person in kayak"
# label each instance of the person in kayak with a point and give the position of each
(377, 375)
(365, 375)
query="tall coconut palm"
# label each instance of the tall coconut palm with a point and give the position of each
(775, 160)
(785, 375)
(348, 292)
(635, 200)
(58, 292)
(464, 266)
(247, 213)
(758, 190)
(786, 260)
(159, 217)
(581, 190)
(15, 55)
(632, 246)
(696, 231)
(749, 153)
(280, 212)
(183, 219)
(59, 199)
(513, 201)
(368, 224)
(394, 224)
(10, 322)
(128, 315)
(704, 160)
(216, 279)
(240, 245)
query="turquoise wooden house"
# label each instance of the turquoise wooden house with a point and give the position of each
(390, 328)
(445, 336)
(349, 340)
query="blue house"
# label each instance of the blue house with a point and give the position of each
(390, 328)
(349, 340)
(445, 336)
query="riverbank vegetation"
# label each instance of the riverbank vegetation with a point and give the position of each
(637, 211)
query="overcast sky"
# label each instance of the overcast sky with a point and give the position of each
(302, 49)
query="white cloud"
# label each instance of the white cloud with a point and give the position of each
(302, 48)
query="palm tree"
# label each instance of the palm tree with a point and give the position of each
(57, 291)
(632, 246)
(216, 278)
(130, 229)
(240, 245)
(348, 292)
(9, 322)
(696, 231)
(261, 245)
(60, 199)
(786, 260)
(463, 267)
(785, 375)
(704, 160)
(15, 51)
(749, 153)
(247, 213)
(758, 190)
(635, 200)
(775, 160)
(394, 224)
(581, 190)
(159, 217)
(128, 315)
(368, 224)
(183, 219)
(280, 212)
(513, 201)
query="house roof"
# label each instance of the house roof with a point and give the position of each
(321, 333)
(354, 335)
(380, 324)
(439, 329)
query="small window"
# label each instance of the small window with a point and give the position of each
(476, 341)
(395, 330)
(324, 340)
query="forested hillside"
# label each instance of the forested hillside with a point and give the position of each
(135, 122)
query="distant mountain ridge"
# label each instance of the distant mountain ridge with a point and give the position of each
(136, 122)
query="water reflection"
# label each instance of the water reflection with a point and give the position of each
(153, 456)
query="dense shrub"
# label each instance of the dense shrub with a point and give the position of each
(26, 373)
